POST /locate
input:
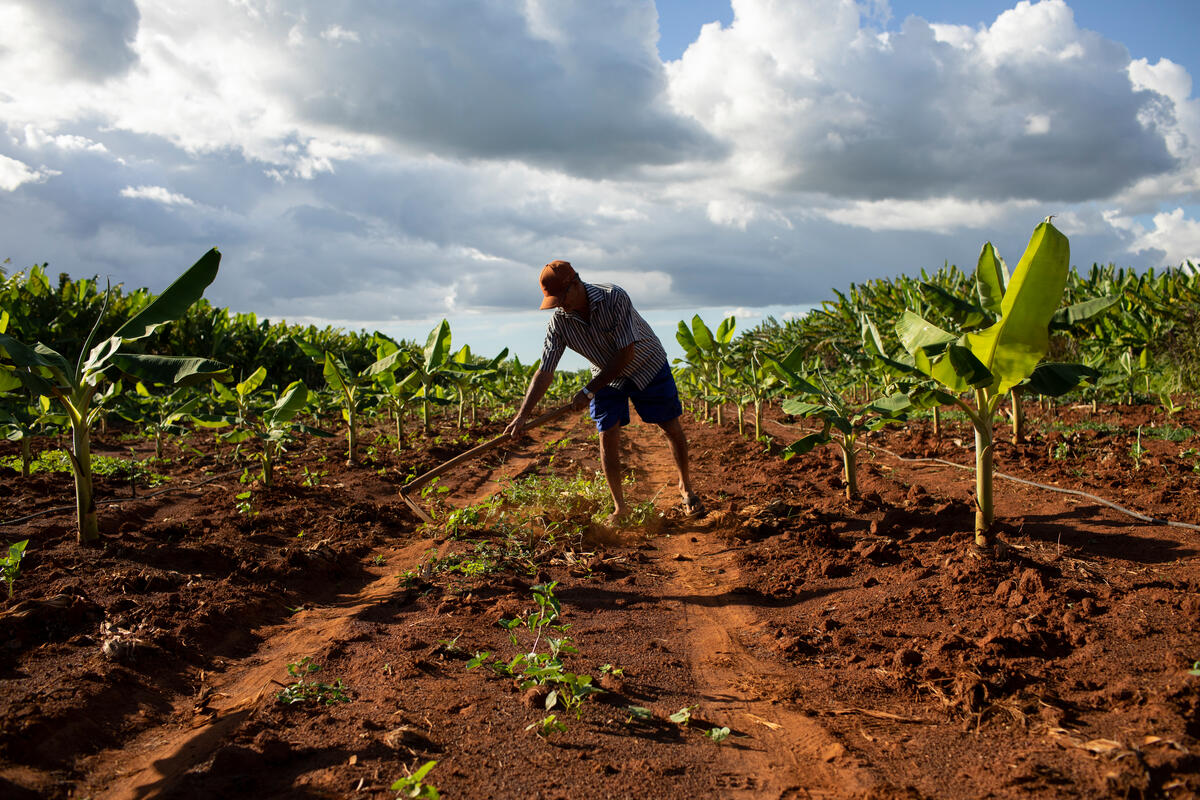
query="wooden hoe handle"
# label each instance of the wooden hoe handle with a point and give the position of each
(474, 452)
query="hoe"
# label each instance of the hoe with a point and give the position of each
(474, 452)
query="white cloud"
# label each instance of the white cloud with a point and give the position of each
(37, 138)
(1173, 234)
(733, 213)
(1037, 124)
(13, 173)
(336, 33)
(944, 214)
(387, 161)
(806, 99)
(158, 194)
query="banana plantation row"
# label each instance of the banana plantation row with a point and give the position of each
(74, 356)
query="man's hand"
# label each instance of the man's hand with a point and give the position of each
(517, 426)
(580, 401)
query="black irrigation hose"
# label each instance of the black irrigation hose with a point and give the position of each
(1076, 492)
(113, 500)
(1060, 490)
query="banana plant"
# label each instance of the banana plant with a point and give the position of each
(21, 421)
(707, 352)
(469, 375)
(44, 371)
(757, 382)
(989, 363)
(161, 416)
(398, 393)
(349, 386)
(429, 371)
(844, 422)
(272, 426)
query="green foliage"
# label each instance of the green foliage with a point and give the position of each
(683, 716)
(303, 690)
(843, 422)
(273, 426)
(547, 726)
(10, 564)
(708, 356)
(717, 735)
(51, 461)
(45, 372)
(543, 668)
(992, 361)
(414, 786)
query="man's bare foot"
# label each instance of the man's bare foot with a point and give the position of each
(692, 505)
(615, 518)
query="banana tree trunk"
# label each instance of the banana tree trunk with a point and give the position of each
(461, 405)
(937, 422)
(741, 415)
(850, 462)
(984, 501)
(757, 420)
(81, 464)
(1018, 418)
(351, 435)
(268, 462)
(720, 404)
(399, 432)
(26, 457)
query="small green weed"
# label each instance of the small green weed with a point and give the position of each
(683, 716)
(433, 488)
(1171, 433)
(546, 668)
(414, 785)
(305, 691)
(313, 477)
(10, 565)
(481, 562)
(547, 726)
(106, 466)
(640, 713)
(718, 735)
(1136, 451)
(244, 503)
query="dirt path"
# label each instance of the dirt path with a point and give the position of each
(777, 752)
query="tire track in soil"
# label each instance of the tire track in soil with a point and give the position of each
(153, 763)
(775, 751)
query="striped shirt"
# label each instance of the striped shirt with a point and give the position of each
(613, 325)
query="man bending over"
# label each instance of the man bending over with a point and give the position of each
(628, 363)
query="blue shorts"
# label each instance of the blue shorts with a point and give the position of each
(657, 403)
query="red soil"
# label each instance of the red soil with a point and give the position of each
(853, 648)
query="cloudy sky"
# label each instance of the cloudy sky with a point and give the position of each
(381, 165)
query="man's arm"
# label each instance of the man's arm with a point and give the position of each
(541, 381)
(611, 371)
(538, 385)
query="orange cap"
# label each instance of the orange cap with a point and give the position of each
(556, 279)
